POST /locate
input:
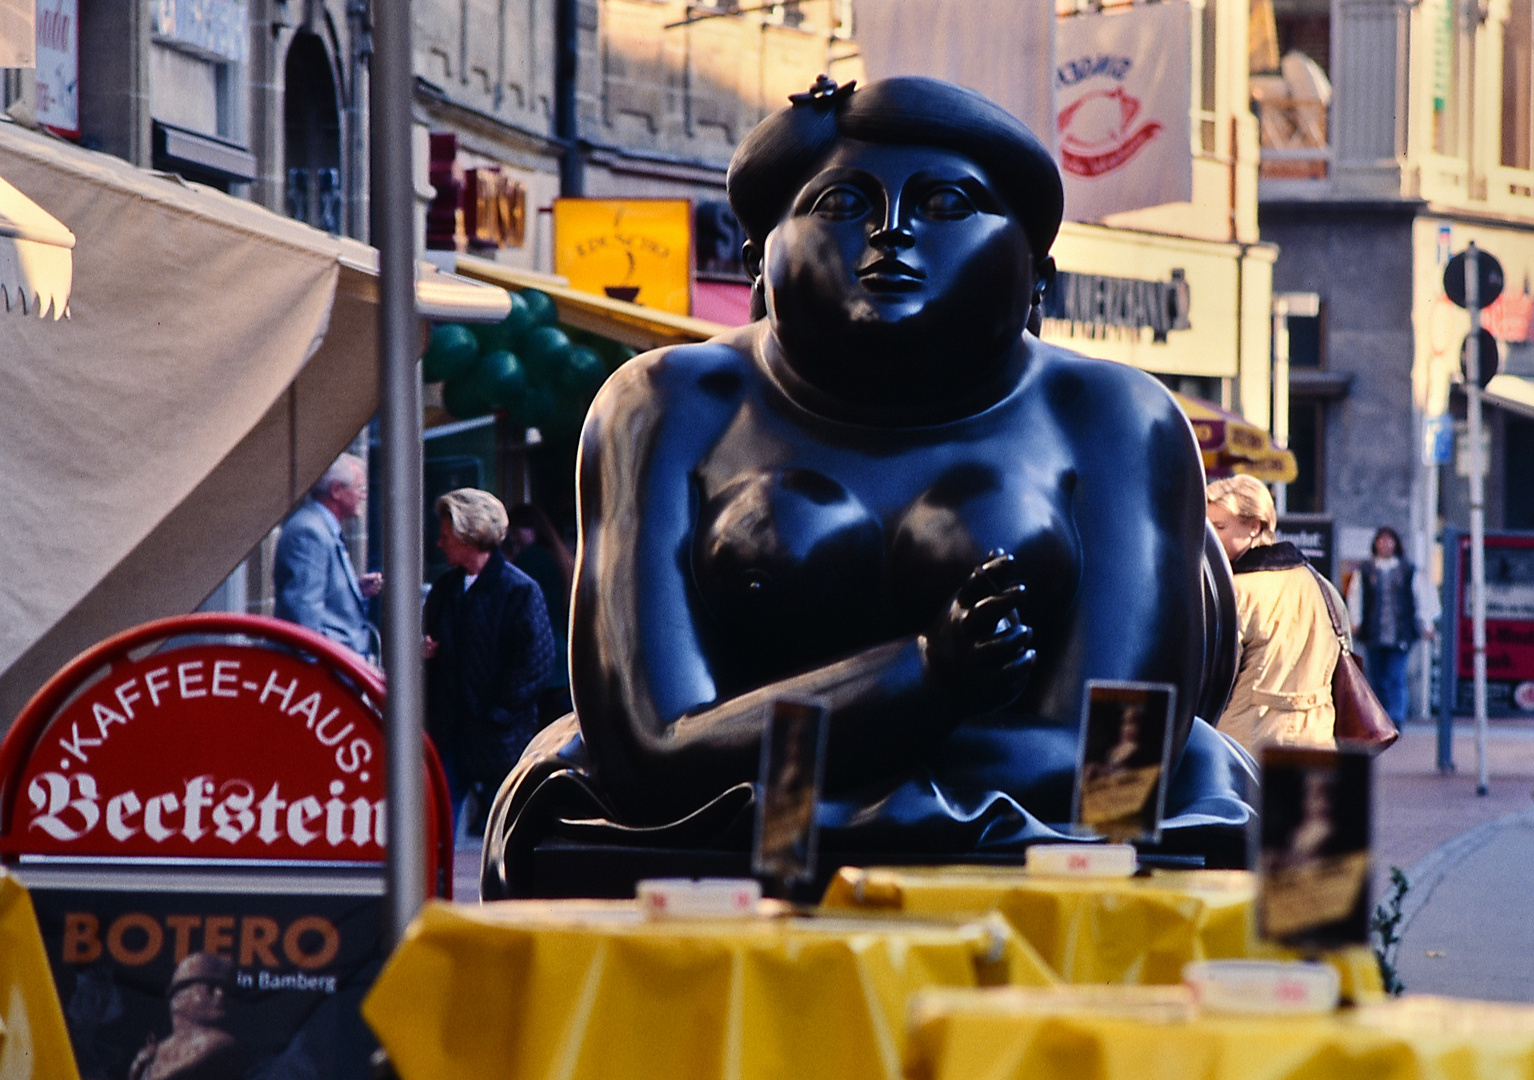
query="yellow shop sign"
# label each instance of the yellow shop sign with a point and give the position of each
(638, 250)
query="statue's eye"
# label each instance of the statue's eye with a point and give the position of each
(840, 204)
(946, 204)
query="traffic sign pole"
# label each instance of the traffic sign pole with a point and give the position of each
(1477, 509)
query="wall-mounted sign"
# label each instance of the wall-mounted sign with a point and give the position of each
(58, 66)
(475, 208)
(638, 250)
(494, 209)
(1096, 302)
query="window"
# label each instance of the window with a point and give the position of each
(1306, 494)
(1305, 341)
(1517, 87)
(1518, 466)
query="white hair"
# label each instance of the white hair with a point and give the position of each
(345, 470)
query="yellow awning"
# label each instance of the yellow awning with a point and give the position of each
(1230, 443)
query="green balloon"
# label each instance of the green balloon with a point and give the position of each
(583, 373)
(543, 353)
(541, 306)
(498, 377)
(506, 333)
(461, 398)
(451, 352)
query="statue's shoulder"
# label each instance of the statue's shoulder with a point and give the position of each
(1102, 391)
(677, 372)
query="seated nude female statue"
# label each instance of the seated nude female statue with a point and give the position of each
(887, 492)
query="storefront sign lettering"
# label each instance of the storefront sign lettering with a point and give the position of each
(1097, 303)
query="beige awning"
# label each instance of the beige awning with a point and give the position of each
(36, 257)
(217, 357)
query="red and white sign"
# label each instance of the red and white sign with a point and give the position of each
(1123, 89)
(240, 749)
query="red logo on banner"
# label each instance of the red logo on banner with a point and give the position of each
(1095, 135)
(221, 751)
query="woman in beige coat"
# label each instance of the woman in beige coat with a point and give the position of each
(1289, 649)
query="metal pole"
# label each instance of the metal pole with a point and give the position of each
(399, 394)
(1281, 391)
(1477, 509)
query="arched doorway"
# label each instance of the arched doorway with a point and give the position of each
(312, 146)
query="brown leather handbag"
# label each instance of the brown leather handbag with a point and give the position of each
(1361, 720)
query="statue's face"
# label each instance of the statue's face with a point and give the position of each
(896, 260)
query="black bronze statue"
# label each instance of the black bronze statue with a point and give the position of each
(887, 492)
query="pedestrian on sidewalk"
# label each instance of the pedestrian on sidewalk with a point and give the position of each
(1391, 605)
(489, 651)
(1283, 692)
(315, 582)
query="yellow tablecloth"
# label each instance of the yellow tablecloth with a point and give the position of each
(587, 989)
(1096, 930)
(34, 1043)
(965, 1037)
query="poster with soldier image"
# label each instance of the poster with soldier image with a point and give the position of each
(212, 985)
(1126, 738)
(1314, 861)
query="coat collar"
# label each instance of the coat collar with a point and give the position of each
(1280, 556)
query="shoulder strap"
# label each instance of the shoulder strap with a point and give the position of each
(1331, 604)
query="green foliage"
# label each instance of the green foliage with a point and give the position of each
(1385, 925)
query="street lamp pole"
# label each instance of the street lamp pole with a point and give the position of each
(399, 396)
(1477, 508)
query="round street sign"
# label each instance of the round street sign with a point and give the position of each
(1488, 274)
(1489, 358)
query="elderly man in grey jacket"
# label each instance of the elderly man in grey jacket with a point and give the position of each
(316, 584)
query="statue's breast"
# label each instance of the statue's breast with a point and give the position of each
(796, 568)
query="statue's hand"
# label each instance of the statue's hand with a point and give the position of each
(979, 651)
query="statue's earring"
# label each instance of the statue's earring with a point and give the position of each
(1036, 310)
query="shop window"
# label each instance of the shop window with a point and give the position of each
(1307, 427)
(1518, 492)
(1517, 86)
(312, 125)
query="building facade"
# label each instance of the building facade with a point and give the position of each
(1394, 135)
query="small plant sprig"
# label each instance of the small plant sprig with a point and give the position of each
(1385, 926)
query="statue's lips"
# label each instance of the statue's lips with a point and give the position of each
(891, 275)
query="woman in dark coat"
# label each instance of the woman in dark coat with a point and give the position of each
(489, 649)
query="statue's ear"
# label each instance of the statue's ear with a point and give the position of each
(1044, 277)
(751, 255)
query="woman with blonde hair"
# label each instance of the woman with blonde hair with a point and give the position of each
(1289, 647)
(488, 647)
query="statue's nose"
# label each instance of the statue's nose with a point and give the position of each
(892, 238)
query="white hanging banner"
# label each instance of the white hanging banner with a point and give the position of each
(1004, 49)
(1124, 91)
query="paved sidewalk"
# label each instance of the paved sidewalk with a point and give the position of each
(1469, 860)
